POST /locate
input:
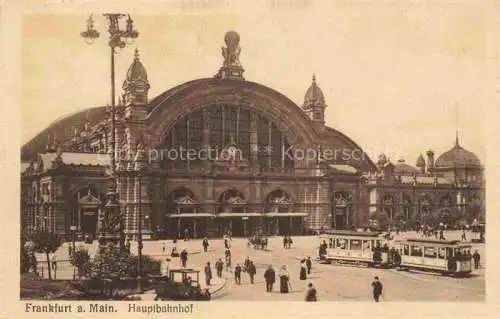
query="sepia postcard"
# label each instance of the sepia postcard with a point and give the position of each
(260, 159)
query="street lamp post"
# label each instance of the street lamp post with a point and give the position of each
(117, 40)
(139, 235)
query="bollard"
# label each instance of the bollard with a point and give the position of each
(43, 277)
(74, 273)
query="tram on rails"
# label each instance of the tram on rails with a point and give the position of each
(366, 248)
(448, 257)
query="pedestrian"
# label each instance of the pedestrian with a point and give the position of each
(464, 237)
(70, 252)
(205, 244)
(251, 271)
(284, 280)
(377, 289)
(246, 264)
(270, 277)
(184, 256)
(163, 247)
(285, 242)
(311, 293)
(226, 242)
(308, 265)
(303, 271)
(476, 258)
(186, 234)
(208, 273)
(219, 266)
(54, 262)
(237, 274)
(441, 234)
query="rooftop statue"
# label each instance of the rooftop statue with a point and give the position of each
(231, 52)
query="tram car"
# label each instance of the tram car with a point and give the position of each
(361, 248)
(448, 257)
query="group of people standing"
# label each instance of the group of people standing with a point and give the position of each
(287, 242)
(285, 284)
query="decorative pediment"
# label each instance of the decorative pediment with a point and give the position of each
(281, 201)
(236, 201)
(185, 200)
(89, 200)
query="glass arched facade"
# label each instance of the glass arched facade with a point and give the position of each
(216, 126)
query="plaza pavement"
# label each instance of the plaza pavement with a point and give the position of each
(333, 282)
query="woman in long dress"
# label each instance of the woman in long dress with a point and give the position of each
(284, 280)
(303, 271)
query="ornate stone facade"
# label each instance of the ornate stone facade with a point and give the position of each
(224, 153)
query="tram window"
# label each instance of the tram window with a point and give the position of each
(341, 243)
(355, 244)
(366, 245)
(441, 253)
(449, 253)
(416, 251)
(430, 252)
(457, 252)
(406, 250)
(330, 244)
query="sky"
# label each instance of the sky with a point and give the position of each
(397, 79)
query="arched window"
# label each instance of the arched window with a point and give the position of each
(231, 201)
(181, 201)
(225, 123)
(278, 201)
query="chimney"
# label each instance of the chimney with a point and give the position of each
(430, 161)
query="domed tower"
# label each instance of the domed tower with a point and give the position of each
(136, 85)
(421, 163)
(459, 164)
(314, 103)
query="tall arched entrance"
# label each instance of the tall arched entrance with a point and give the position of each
(183, 220)
(231, 213)
(86, 206)
(341, 209)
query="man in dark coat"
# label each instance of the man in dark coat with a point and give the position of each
(208, 273)
(205, 244)
(377, 289)
(476, 258)
(184, 257)
(251, 271)
(308, 265)
(237, 274)
(270, 277)
(311, 293)
(219, 266)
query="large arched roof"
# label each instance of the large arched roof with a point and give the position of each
(165, 109)
(62, 129)
(175, 103)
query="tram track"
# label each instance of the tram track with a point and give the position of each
(421, 277)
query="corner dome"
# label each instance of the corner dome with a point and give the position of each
(314, 96)
(457, 157)
(136, 72)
